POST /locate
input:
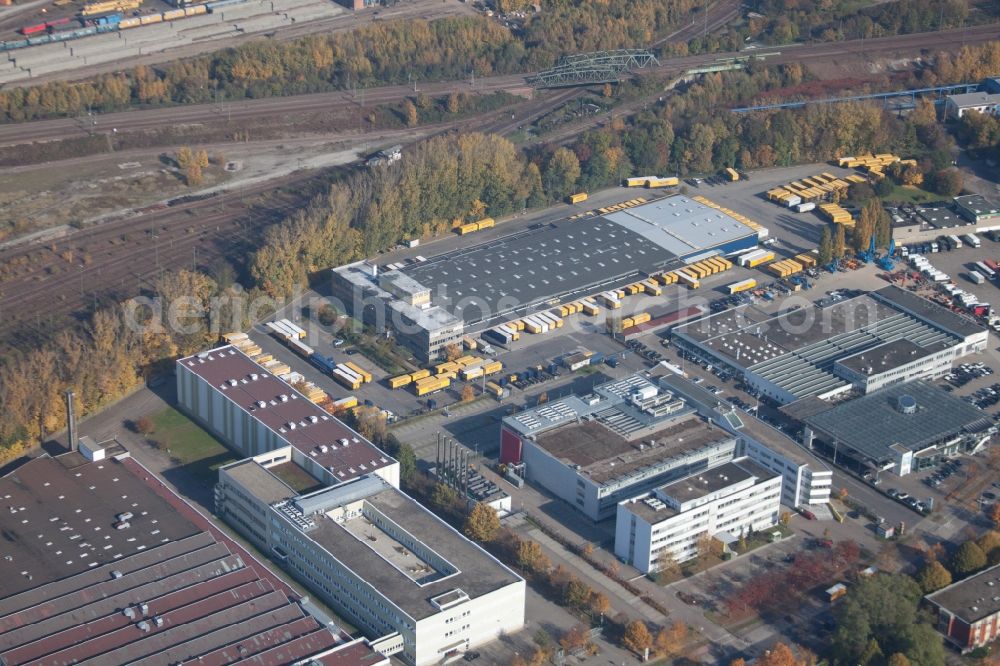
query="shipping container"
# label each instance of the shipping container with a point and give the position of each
(486, 223)
(732, 174)
(420, 374)
(492, 367)
(742, 285)
(400, 381)
(591, 310)
(977, 277)
(497, 337)
(690, 281)
(297, 330)
(805, 207)
(651, 288)
(956, 242)
(670, 181)
(345, 403)
(297, 346)
(350, 381)
(579, 197)
(495, 389)
(468, 374)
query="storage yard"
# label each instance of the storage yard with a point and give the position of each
(119, 35)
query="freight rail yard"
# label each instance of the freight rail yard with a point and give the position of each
(50, 47)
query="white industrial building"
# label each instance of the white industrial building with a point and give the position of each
(415, 586)
(632, 435)
(957, 106)
(835, 346)
(806, 479)
(254, 412)
(724, 503)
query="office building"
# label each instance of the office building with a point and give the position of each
(416, 587)
(723, 503)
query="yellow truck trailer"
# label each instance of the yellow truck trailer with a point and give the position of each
(591, 310)
(669, 181)
(733, 174)
(492, 368)
(400, 381)
(431, 384)
(485, 223)
(420, 374)
(579, 197)
(742, 285)
(366, 376)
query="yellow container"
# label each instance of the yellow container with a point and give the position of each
(420, 374)
(398, 382)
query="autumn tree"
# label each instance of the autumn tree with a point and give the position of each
(561, 173)
(825, 250)
(468, 393)
(994, 514)
(670, 640)
(933, 576)
(864, 227)
(576, 594)
(370, 422)
(666, 565)
(599, 604)
(636, 637)
(531, 558)
(410, 113)
(482, 524)
(144, 425)
(453, 105)
(452, 351)
(839, 241)
(898, 659)
(573, 638)
(968, 559)
(779, 655)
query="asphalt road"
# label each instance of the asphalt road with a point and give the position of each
(49, 130)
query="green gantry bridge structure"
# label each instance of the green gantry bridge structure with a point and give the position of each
(589, 68)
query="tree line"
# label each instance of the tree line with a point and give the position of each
(377, 54)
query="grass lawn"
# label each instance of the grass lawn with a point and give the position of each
(910, 194)
(188, 445)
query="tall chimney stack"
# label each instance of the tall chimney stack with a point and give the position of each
(71, 418)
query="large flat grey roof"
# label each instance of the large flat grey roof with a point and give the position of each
(797, 350)
(681, 225)
(972, 599)
(872, 423)
(479, 573)
(573, 257)
(889, 355)
(536, 265)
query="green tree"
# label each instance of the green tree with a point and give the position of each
(482, 524)
(933, 576)
(407, 463)
(576, 594)
(947, 182)
(444, 496)
(884, 607)
(825, 250)
(968, 559)
(872, 653)
(561, 173)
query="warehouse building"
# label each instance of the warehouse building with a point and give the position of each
(103, 564)
(977, 209)
(968, 612)
(905, 428)
(636, 434)
(831, 348)
(475, 287)
(723, 503)
(415, 586)
(254, 412)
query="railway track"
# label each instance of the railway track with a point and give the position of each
(139, 120)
